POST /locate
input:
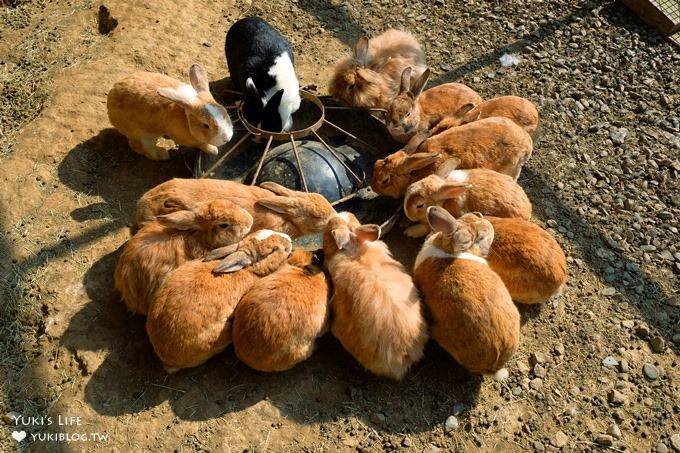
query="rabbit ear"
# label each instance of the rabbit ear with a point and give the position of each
(451, 190)
(447, 167)
(175, 204)
(420, 82)
(278, 189)
(198, 78)
(418, 161)
(343, 238)
(179, 220)
(405, 80)
(272, 107)
(417, 140)
(220, 252)
(361, 50)
(440, 220)
(282, 205)
(233, 263)
(368, 232)
(184, 96)
(464, 109)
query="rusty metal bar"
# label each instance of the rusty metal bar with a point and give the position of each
(332, 151)
(264, 156)
(210, 171)
(299, 165)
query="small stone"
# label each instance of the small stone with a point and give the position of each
(445, 67)
(517, 391)
(665, 215)
(623, 366)
(610, 361)
(378, 418)
(608, 291)
(605, 439)
(10, 418)
(661, 448)
(406, 442)
(676, 338)
(433, 449)
(675, 442)
(650, 371)
(642, 330)
(616, 397)
(628, 324)
(618, 136)
(522, 367)
(207, 44)
(536, 383)
(559, 349)
(619, 415)
(559, 439)
(538, 446)
(658, 344)
(614, 431)
(539, 371)
(451, 424)
(537, 357)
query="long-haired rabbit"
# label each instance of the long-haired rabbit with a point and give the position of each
(145, 106)
(520, 110)
(462, 191)
(165, 243)
(191, 316)
(473, 316)
(414, 110)
(272, 206)
(492, 143)
(277, 322)
(261, 65)
(370, 77)
(376, 308)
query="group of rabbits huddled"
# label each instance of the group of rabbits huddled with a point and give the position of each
(457, 174)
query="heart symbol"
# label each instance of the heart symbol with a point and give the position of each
(19, 435)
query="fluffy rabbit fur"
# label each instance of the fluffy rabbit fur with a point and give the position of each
(191, 317)
(278, 320)
(376, 309)
(522, 111)
(414, 110)
(463, 191)
(172, 239)
(261, 65)
(493, 143)
(145, 106)
(271, 205)
(370, 77)
(473, 316)
(528, 259)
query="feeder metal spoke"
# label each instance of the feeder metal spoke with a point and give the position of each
(332, 151)
(299, 164)
(264, 156)
(218, 162)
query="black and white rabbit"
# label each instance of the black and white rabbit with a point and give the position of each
(260, 61)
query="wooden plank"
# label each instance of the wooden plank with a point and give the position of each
(652, 15)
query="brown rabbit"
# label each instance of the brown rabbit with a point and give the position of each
(473, 316)
(463, 191)
(145, 106)
(414, 110)
(376, 309)
(522, 111)
(191, 317)
(271, 205)
(370, 77)
(278, 320)
(492, 143)
(172, 239)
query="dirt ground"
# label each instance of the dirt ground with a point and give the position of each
(598, 365)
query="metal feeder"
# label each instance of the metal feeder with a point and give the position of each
(317, 155)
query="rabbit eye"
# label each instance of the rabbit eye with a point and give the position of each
(224, 225)
(350, 86)
(420, 205)
(206, 125)
(385, 180)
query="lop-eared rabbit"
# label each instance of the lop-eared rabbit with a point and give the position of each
(145, 106)
(170, 240)
(272, 206)
(473, 315)
(261, 65)
(190, 320)
(376, 308)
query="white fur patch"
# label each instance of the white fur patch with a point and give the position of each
(225, 129)
(283, 72)
(429, 251)
(261, 235)
(460, 176)
(470, 257)
(345, 216)
(187, 92)
(501, 374)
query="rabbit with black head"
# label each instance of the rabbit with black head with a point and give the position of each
(261, 65)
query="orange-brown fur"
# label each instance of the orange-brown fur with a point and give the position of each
(528, 259)
(478, 190)
(377, 314)
(298, 212)
(160, 247)
(191, 317)
(414, 110)
(278, 320)
(370, 78)
(520, 110)
(473, 316)
(137, 110)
